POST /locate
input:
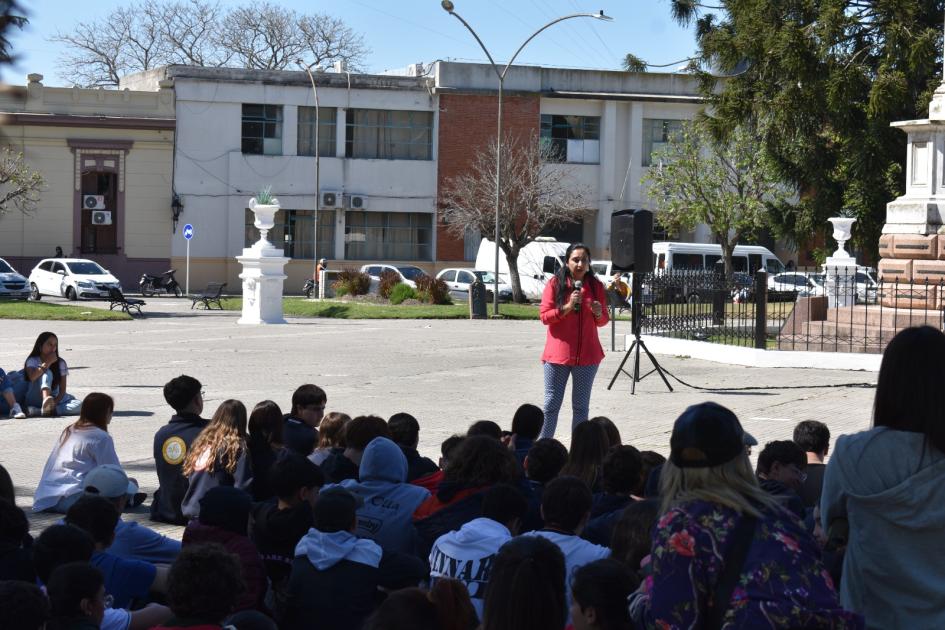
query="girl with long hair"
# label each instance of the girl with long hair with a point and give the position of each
(589, 446)
(218, 457)
(526, 589)
(47, 374)
(81, 447)
(572, 307)
(265, 444)
(331, 435)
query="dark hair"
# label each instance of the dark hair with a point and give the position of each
(331, 430)
(613, 433)
(450, 444)
(545, 460)
(565, 502)
(812, 436)
(632, 535)
(227, 508)
(205, 582)
(265, 424)
(335, 510)
(24, 605)
(7, 490)
(361, 430)
(404, 429)
(68, 585)
(306, 395)
(527, 421)
(181, 391)
(908, 392)
(604, 585)
(96, 515)
(503, 503)
(650, 460)
(250, 620)
(13, 523)
(589, 445)
(37, 351)
(291, 472)
(446, 606)
(785, 452)
(485, 427)
(526, 589)
(563, 276)
(60, 544)
(620, 472)
(481, 461)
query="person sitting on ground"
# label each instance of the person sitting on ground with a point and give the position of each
(132, 541)
(218, 457)
(224, 519)
(265, 443)
(633, 532)
(387, 500)
(781, 465)
(432, 481)
(16, 560)
(249, 620)
(526, 426)
(335, 574)
(599, 592)
(468, 553)
(405, 432)
(485, 427)
(613, 433)
(445, 606)
(277, 528)
(24, 605)
(358, 434)
(589, 446)
(715, 513)
(47, 374)
(620, 476)
(300, 432)
(8, 404)
(331, 436)
(203, 587)
(172, 442)
(126, 580)
(61, 544)
(81, 447)
(76, 594)
(543, 463)
(526, 590)
(814, 439)
(651, 461)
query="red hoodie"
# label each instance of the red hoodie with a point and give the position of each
(572, 339)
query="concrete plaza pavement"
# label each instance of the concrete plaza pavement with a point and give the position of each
(446, 373)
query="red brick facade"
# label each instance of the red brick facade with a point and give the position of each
(467, 123)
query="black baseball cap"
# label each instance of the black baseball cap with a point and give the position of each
(706, 435)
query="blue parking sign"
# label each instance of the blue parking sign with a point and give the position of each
(188, 231)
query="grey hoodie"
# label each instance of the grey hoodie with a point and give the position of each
(326, 550)
(890, 486)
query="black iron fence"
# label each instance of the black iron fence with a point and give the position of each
(846, 310)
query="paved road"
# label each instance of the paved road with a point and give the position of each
(446, 373)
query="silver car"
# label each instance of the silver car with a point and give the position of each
(12, 284)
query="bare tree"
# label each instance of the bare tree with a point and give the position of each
(20, 185)
(192, 31)
(329, 39)
(535, 197)
(262, 37)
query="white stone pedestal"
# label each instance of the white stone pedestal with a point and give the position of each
(262, 278)
(840, 281)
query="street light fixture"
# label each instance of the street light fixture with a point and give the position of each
(318, 191)
(449, 8)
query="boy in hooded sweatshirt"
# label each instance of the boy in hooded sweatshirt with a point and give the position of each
(335, 574)
(387, 500)
(467, 554)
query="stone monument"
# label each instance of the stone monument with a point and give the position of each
(263, 267)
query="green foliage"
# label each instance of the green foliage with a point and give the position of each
(300, 307)
(433, 290)
(632, 63)
(402, 292)
(351, 282)
(21, 309)
(20, 185)
(264, 196)
(388, 280)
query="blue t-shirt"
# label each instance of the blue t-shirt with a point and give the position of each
(125, 580)
(134, 542)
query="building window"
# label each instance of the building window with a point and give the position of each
(656, 133)
(262, 129)
(293, 232)
(388, 236)
(389, 134)
(327, 119)
(574, 139)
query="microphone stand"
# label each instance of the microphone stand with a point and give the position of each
(636, 317)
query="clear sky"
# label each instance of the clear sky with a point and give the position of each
(401, 32)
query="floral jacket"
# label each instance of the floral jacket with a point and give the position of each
(783, 583)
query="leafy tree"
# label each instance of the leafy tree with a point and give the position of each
(20, 185)
(729, 184)
(535, 197)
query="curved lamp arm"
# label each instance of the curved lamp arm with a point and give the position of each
(596, 16)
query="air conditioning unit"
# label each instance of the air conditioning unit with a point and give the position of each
(93, 202)
(358, 202)
(101, 217)
(330, 199)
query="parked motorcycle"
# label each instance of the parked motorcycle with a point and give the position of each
(309, 288)
(164, 284)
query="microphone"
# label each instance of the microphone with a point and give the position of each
(577, 285)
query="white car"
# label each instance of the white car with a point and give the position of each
(805, 285)
(458, 280)
(408, 273)
(12, 284)
(72, 278)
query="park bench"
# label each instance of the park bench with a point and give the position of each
(117, 299)
(209, 296)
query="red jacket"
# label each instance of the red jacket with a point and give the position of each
(572, 338)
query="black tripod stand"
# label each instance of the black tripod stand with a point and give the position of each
(637, 345)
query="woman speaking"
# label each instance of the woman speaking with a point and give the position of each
(572, 309)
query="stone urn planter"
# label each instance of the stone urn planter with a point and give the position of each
(265, 214)
(263, 267)
(842, 229)
(840, 268)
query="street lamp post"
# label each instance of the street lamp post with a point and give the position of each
(449, 8)
(318, 192)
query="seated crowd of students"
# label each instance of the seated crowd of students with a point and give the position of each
(314, 520)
